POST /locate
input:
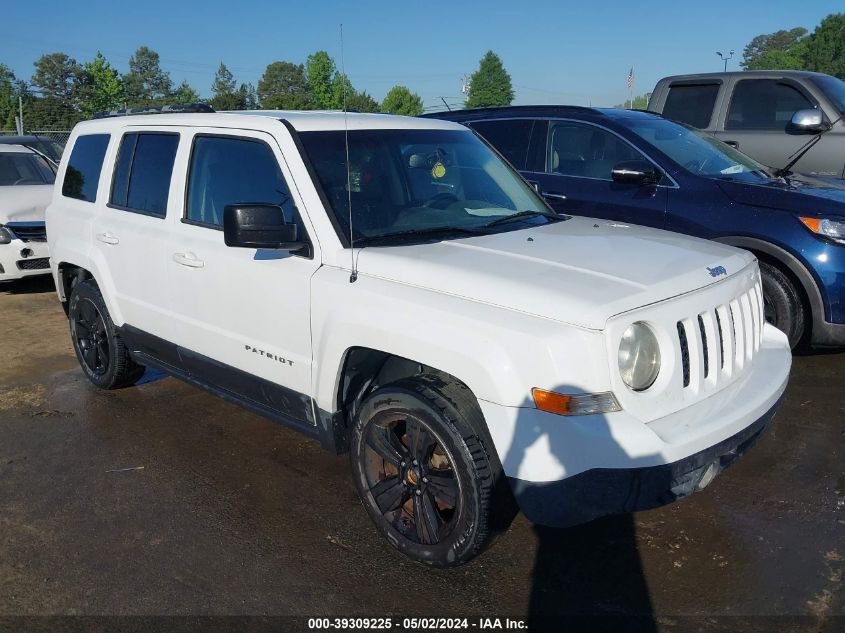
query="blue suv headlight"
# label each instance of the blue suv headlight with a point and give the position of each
(826, 227)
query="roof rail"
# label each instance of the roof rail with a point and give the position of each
(163, 109)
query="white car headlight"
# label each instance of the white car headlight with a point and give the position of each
(5, 235)
(639, 357)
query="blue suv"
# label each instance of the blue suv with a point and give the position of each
(640, 168)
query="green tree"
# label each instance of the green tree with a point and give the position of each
(59, 77)
(225, 95)
(146, 83)
(341, 90)
(320, 71)
(362, 102)
(490, 85)
(8, 98)
(826, 47)
(400, 100)
(781, 49)
(247, 95)
(283, 87)
(640, 102)
(184, 94)
(102, 90)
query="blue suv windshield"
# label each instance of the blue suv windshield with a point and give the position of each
(697, 151)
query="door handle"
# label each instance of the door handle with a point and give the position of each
(107, 238)
(734, 144)
(188, 259)
(552, 194)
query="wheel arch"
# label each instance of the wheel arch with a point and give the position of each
(793, 267)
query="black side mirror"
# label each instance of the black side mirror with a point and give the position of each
(259, 226)
(636, 172)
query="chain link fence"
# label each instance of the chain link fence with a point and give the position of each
(60, 136)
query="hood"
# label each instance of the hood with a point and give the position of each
(582, 271)
(800, 194)
(24, 203)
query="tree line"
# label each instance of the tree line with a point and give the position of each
(63, 91)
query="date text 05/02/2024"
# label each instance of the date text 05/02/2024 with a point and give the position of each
(418, 624)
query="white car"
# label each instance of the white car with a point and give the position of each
(26, 188)
(417, 305)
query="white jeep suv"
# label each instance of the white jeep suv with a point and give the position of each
(391, 287)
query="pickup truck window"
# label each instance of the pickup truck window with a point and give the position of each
(691, 103)
(764, 104)
(83, 170)
(406, 181)
(230, 170)
(142, 176)
(834, 88)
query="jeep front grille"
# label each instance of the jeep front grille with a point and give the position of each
(722, 341)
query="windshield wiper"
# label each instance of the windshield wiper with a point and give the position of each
(421, 234)
(523, 215)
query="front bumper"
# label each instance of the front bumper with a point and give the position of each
(601, 491)
(21, 259)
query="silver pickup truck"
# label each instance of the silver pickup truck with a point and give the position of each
(770, 115)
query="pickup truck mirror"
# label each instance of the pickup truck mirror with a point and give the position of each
(636, 172)
(809, 121)
(259, 226)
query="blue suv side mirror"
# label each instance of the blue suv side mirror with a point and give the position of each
(636, 172)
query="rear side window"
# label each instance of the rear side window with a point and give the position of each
(691, 104)
(142, 175)
(764, 104)
(83, 170)
(227, 170)
(510, 137)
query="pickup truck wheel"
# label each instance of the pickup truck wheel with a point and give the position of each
(99, 349)
(422, 473)
(782, 306)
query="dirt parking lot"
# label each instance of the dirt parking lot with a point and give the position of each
(163, 500)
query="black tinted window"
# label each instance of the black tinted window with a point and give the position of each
(578, 149)
(691, 104)
(228, 171)
(83, 169)
(764, 104)
(142, 174)
(511, 138)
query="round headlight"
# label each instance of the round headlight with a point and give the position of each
(639, 357)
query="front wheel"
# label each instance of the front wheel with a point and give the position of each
(782, 305)
(423, 473)
(101, 352)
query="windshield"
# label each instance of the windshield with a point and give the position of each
(24, 169)
(697, 151)
(834, 88)
(443, 183)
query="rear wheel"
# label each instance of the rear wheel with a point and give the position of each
(423, 473)
(101, 352)
(782, 306)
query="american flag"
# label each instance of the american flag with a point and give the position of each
(631, 78)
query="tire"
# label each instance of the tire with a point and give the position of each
(101, 352)
(454, 484)
(782, 303)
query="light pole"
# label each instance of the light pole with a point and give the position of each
(726, 57)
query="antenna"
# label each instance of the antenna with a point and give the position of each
(353, 275)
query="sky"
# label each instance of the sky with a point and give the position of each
(556, 52)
